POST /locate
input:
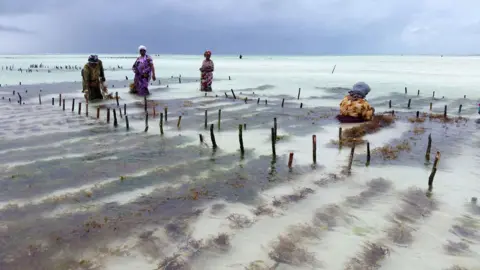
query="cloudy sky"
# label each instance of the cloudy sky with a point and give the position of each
(241, 26)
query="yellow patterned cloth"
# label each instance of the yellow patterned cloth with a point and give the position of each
(356, 107)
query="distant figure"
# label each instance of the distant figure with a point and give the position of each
(206, 73)
(93, 78)
(143, 69)
(354, 108)
(240, 56)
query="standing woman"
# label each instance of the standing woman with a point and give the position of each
(143, 69)
(207, 73)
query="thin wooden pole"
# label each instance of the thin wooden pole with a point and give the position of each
(206, 115)
(161, 123)
(290, 160)
(212, 137)
(429, 147)
(368, 154)
(273, 143)
(314, 144)
(219, 117)
(434, 171)
(179, 120)
(115, 122)
(240, 139)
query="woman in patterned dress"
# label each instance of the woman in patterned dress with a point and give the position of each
(143, 69)
(207, 73)
(354, 108)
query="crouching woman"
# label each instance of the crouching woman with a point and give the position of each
(354, 108)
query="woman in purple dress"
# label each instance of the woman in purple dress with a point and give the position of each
(143, 69)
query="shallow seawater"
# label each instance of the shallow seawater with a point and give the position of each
(80, 193)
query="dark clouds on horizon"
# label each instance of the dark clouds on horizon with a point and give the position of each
(241, 26)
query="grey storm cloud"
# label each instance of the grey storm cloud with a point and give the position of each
(13, 29)
(242, 26)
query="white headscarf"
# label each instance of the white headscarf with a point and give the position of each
(141, 47)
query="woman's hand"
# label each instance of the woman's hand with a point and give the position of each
(154, 78)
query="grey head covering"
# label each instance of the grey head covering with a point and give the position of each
(359, 90)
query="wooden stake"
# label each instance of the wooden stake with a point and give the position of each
(125, 109)
(226, 96)
(116, 98)
(154, 112)
(166, 111)
(409, 102)
(299, 89)
(179, 120)
(368, 154)
(258, 101)
(120, 111)
(283, 101)
(418, 92)
(240, 139)
(390, 104)
(233, 93)
(405, 90)
(431, 104)
(108, 115)
(265, 101)
(146, 121)
(145, 102)
(79, 108)
(161, 123)
(275, 128)
(229, 78)
(434, 171)
(53, 101)
(244, 126)
(418, 114)
(201, 138)
(273, 143)
(212, 137)
(429, 147)
(340, 136)
(86, 109)
(314, 143)
(219, 117)
(59, 100)
(98, 112)
(445, 111)
(433, 96)
(460, 108)
(290, 160)
(350, 161)
(206, 115)
(115, 122)
(73, 105)
(63, 105)
(126, 122)
(301, 105)
(39, 99)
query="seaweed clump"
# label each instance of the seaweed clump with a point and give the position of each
(287, 250)
(445, 119)
(456, 248)
(416, 205)
(389, 152)
(354, 135)
(369, 258)
(375, 187)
